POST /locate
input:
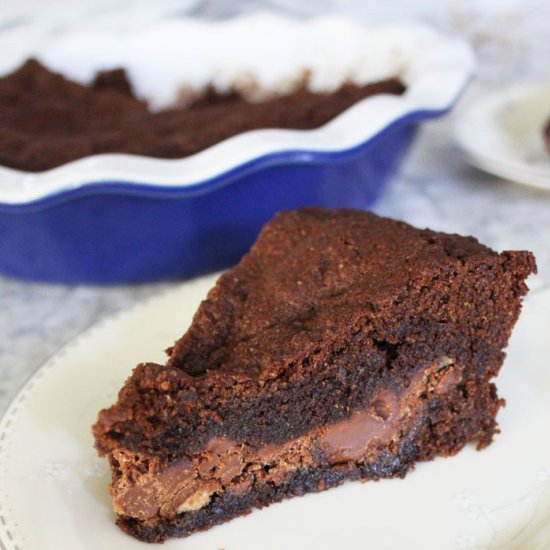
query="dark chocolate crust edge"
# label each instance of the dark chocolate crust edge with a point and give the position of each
(448, 425)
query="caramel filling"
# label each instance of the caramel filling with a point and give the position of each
(144, 488)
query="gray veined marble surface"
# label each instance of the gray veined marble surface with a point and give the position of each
(435, 187)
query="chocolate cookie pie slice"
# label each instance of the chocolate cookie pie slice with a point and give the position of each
(343, 346)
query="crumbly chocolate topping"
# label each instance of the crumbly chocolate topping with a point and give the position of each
(546, 135)
(47, 120)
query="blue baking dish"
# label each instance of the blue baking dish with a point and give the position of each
(123, 219)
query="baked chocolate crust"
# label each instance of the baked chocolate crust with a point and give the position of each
(449, 424)
(47, 120)
(326, 313)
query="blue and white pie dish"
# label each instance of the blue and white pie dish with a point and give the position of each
(117, 218)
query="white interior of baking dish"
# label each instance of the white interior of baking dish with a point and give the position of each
(258, 54)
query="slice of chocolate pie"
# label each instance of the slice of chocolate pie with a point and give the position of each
(342, 346)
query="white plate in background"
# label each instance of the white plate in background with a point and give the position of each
(502, 133)
(53, 487)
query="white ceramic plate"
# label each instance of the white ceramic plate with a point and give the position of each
(53, 487)
(502, 133)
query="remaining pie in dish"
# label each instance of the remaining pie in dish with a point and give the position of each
(343, 346)
(47, 120)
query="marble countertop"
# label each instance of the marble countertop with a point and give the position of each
(435, 187)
